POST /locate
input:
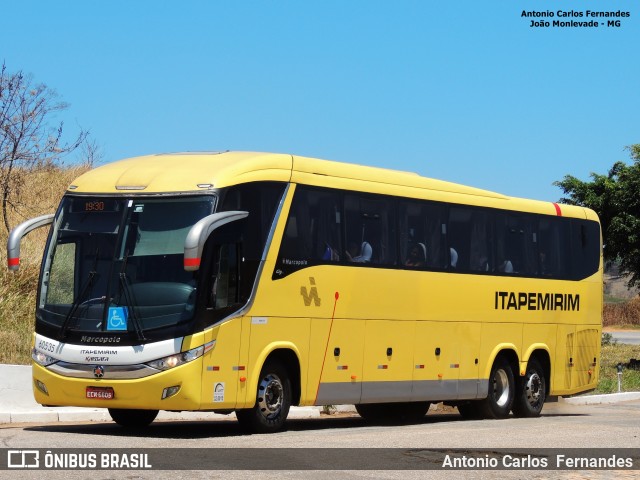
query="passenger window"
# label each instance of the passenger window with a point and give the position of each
(585, 247)
(552, 255)
(370, 230)
(421, 235)
(459, 238)
(312, 235)
(481, 241)
(515, 244)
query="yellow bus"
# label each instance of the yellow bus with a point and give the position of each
(251, 282)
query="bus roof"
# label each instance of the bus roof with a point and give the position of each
(195, 171)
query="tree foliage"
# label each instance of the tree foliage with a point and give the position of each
(616, 199)
(30, 136)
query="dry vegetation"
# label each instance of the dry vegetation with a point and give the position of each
(43, 189)
(624, 314)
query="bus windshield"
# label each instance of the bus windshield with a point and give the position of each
(116, 264)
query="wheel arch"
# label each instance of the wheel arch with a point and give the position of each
(509, 352)
(287, 354)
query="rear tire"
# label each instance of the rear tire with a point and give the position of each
(273, 400)
(532, 391)
(129, 418)
(501, 391)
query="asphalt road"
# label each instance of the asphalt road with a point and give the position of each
(561, 426)
(629, 337)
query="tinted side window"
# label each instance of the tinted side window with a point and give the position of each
(585, 248)
(261, 200)
(481, 247)
(516, 249)
(313, 232)
(422, 242)
(370, 229)
(459, 238)
(554, 255)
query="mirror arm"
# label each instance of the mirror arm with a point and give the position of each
(15, 237)
(200, 232)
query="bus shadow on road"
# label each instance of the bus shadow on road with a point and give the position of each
(219, 428)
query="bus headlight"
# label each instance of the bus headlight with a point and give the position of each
(42, 358)
(176, 360)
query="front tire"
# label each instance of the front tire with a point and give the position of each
(532, 391)
(501, 391)
(273, 400)
(132, 418)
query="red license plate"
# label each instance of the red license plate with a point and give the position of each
(100, 393)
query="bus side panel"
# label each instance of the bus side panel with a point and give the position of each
(536, 335)
(220, 369)
(587, 353)
(388, 361)
(497, 337)
(319, 334)
(272, 333)
(561, 381)
(435, 376)
(467, 336)
(452, 371)
(341, 380)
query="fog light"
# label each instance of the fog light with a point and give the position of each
(42, 387)
(170, 391)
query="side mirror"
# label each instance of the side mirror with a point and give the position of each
(199, 233)
(15, 237)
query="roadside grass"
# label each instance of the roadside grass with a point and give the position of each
(610, 356)
(610, 299)
(42, 192)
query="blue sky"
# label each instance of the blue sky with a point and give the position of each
(463, 91)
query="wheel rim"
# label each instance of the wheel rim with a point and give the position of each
(270, 396)
(501, 388)
(534, 389)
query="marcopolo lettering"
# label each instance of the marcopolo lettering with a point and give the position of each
(87, 339)
(537, 301)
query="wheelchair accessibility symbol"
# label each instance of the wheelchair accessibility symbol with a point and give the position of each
(117, 319)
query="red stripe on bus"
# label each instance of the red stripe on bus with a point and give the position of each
(558, 211)
(191, 262)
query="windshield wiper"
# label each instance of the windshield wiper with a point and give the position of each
(130, 300)
(79, 301)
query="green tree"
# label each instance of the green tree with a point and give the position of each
(615, 197)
